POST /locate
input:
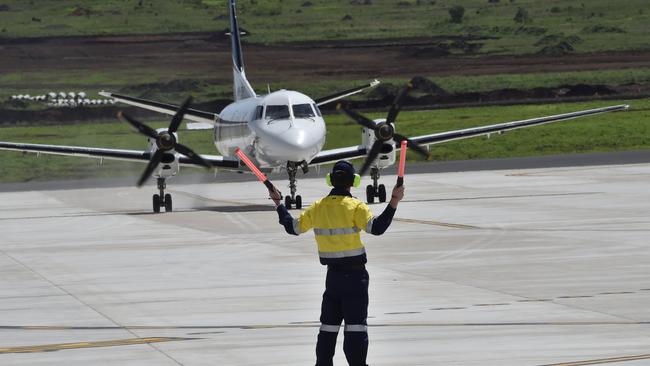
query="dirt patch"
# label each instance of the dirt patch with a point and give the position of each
(175, 58)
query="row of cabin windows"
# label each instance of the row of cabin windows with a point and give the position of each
(282, 111)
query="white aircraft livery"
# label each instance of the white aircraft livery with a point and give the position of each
(282, 130)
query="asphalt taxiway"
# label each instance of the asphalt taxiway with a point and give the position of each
(525, 267)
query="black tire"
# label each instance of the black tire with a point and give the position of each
(382, 193)
(370, 194)
(288, 202)
(156, 203)
(168, 202)
(298, 202)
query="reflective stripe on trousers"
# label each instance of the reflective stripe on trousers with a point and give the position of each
(356, 328)
(329, 328)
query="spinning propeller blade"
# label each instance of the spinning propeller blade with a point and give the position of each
(192, 155)
(371, 156)
(358, 118)
(153, 163)
(139, 126)
(178, 117)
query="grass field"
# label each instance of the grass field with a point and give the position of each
(589, 26)
(609, 132)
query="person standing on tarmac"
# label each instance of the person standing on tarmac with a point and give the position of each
(337, 220)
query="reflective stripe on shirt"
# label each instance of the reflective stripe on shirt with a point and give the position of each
(337, 231)
(343, 253)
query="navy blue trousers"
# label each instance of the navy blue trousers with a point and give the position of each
(345, 298)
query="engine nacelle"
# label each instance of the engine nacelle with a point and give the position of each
(168, 166)
(386, 157)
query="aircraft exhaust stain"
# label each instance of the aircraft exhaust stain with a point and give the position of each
(435, 223)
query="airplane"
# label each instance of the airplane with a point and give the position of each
(281, 130)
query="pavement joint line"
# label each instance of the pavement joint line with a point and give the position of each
(502, 292)
(601, 361)
(507, 196)
(96, 344)
(316, 325)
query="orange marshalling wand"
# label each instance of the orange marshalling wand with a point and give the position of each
(254, 169)
(402, 164)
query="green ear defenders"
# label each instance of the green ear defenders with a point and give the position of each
(356, 183)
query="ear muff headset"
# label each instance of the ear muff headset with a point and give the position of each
(356, 183)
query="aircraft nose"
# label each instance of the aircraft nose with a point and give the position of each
(297, 142)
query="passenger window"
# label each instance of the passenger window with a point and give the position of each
(317, 110)
(258, 112)
(302, 111)
(277, 112)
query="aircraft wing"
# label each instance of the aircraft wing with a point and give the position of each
(113, 154)
(334, 155)
(437, 138)
(170, 109)
(359, 151)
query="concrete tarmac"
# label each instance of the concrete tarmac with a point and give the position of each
(523, 267)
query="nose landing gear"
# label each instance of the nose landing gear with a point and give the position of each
(375, 190)
(162, 199)
(292, 169)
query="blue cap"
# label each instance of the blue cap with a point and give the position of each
(342, 174)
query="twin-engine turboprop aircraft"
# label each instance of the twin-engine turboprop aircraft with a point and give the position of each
(280, 130)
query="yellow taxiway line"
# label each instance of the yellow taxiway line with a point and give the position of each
(112, 343)
(602, 361)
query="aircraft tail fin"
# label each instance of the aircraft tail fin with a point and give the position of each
(242, 88)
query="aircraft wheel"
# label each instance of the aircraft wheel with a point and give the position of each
(298, 202)
(287, 202)
(168, 202)
(382, 193)
(370, 194)
(156, 203)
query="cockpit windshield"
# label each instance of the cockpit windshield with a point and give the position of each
(302, 111)
(277, 112)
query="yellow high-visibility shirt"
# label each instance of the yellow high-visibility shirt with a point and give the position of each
(337, 222)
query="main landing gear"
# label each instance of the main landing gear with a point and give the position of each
(375, 190)
(162, 199)
(292, 169)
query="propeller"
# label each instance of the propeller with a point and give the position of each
(165, 140)
(384, 131)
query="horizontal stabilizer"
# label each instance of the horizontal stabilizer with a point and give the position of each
(345, 93)
(165, 108)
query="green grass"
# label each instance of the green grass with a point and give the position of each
(272, 21)
(608, 132)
